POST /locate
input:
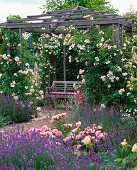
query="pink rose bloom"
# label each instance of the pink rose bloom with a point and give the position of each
(101, 136)
(98, 132)
(135, 37)
(64, 114)
(71, 134)
(54, 130)
(58, 133)
(32, 130)
(95, 140)
(38, 130)
(57, 117)
(133, 48)
(92, 130)
(105, 134)
(44, 128)
(87, 140)
(74, 130)
(94, 124)
(69, 125)
(99, 127)
(60, 116)
(64, 125)
(48, 133)
(78, 146)
(77, 124)
(53, 117)
(67, 139)
(78, 136)
(92, 137)
(82, 133)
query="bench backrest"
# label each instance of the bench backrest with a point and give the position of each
(64, 86)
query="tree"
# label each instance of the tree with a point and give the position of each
(102, 5)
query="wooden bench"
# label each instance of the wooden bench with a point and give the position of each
(62, 89)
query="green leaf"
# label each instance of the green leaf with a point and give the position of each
(119, 159)
(133, 156)
(78, 153)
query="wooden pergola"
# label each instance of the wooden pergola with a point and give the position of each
(58, 22)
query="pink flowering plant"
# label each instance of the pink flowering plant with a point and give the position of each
(81, 139)
(81, 98)
(107, 68)
(87, 138)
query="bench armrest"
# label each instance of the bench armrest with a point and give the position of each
(49, 89)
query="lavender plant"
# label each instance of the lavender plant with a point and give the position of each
(18, 110)
(117, 124)
(20, 151)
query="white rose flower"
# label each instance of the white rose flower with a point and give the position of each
(96, 58)
(103, 106)
(17, 59)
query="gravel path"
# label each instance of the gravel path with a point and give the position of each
(43, 118)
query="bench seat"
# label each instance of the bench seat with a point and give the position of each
(62, 89)
(61, 93)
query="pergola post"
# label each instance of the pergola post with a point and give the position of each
(8, 49)
(64, 62)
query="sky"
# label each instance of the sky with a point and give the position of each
(32, 7)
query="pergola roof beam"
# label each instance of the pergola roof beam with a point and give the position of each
(66, 17)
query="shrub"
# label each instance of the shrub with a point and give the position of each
(132, 98)
(18, 110)
(117, 124)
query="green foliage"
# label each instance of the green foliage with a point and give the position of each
(128, 158)
(4, 120)
(18, 66)
(102, 5)
(132, 98)
(13, 17)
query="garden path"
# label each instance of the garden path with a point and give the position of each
(44, 118)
